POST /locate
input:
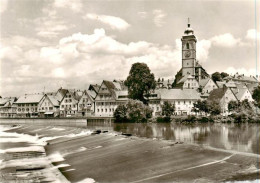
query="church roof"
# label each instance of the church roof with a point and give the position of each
(178, 94)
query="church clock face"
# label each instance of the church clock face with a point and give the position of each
(187, 54)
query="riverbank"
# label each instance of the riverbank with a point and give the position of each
(111, 157)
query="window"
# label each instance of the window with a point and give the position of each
(50, 108)
(101, 110)
(184, 102)
(19, 110)
(187, 46)
(42, 108)
(179, 102)
(157, 108)
(27, 109)
(62, 106)
(106, 110)
(98, 110)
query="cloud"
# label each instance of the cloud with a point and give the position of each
(3, 5)
(113, 22)
(82, 59)
(142, 14)
(159, 15)
(203, 47)
(225, 40)
(252, 34)
(74, 5)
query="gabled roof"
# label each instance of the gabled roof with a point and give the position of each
(239, 92)
(231, 84)
(217, 94)
(54, 100)
(29, 98)
(178, 94)
(203, 82)
(94, 88)
(220, 84)
(88, 93)
(121, 95)
(242, 77)
(92, 94)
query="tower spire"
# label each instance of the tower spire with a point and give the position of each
(188, 22)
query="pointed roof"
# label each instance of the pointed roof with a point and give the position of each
(203, 82)
(30, 98)
(217, 94)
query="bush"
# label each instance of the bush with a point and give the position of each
(204, 120)
(190, 119)
(134, 111)
(163, 119)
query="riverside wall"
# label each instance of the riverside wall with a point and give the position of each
(45, 121)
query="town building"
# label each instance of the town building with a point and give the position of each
(183, 99)
(69, 103)
(27, 105)
(207, 85)
(86, 104)
(8, 107)
(222, 96)
(109, 96)
(49, 106)
(188, 82)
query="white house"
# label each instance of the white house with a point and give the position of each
(49, 106)
(188, 82)
(69, 103)
(207, 85)
(86, 103)
(109, 96)
(223, 96)
(27, 105)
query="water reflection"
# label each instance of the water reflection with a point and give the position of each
(239, 137)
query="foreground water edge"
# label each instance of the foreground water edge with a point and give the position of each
(110, 157)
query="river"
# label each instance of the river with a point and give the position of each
(237, 137)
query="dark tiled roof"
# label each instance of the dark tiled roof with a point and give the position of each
(217, 94)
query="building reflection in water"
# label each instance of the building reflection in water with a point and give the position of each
(238, 137)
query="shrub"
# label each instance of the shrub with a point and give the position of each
(163, 119)
(133, 111)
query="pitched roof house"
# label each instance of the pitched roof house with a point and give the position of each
(223, 96)
(27, 105)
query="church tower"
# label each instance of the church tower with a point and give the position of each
(188, 51)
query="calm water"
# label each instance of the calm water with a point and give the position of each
(238, 137)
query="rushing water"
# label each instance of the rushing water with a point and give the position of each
(238, 137)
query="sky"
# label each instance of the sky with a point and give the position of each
(48, 44)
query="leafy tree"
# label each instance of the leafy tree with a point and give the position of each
(214, 107)
(246, 105)
(134, 111)
(216, 76)
(256, 95)
(178, 76)
(223, 75)
(200, 106)
(120, 113)
(140, 82)
(233, 105)
(167, 109)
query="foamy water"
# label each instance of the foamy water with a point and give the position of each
(32, 158)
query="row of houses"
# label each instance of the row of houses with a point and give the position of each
(103, 99)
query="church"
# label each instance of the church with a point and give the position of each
(192, 75)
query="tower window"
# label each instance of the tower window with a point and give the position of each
(187, 46)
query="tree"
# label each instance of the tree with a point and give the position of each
(223, 75)
(133, 111)
(256, 96)
(214, 107)
(200, 106)
(167, 109)
(120, 113)
(140, 82)
(216, 76)
(233, 105)
(245, 105)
